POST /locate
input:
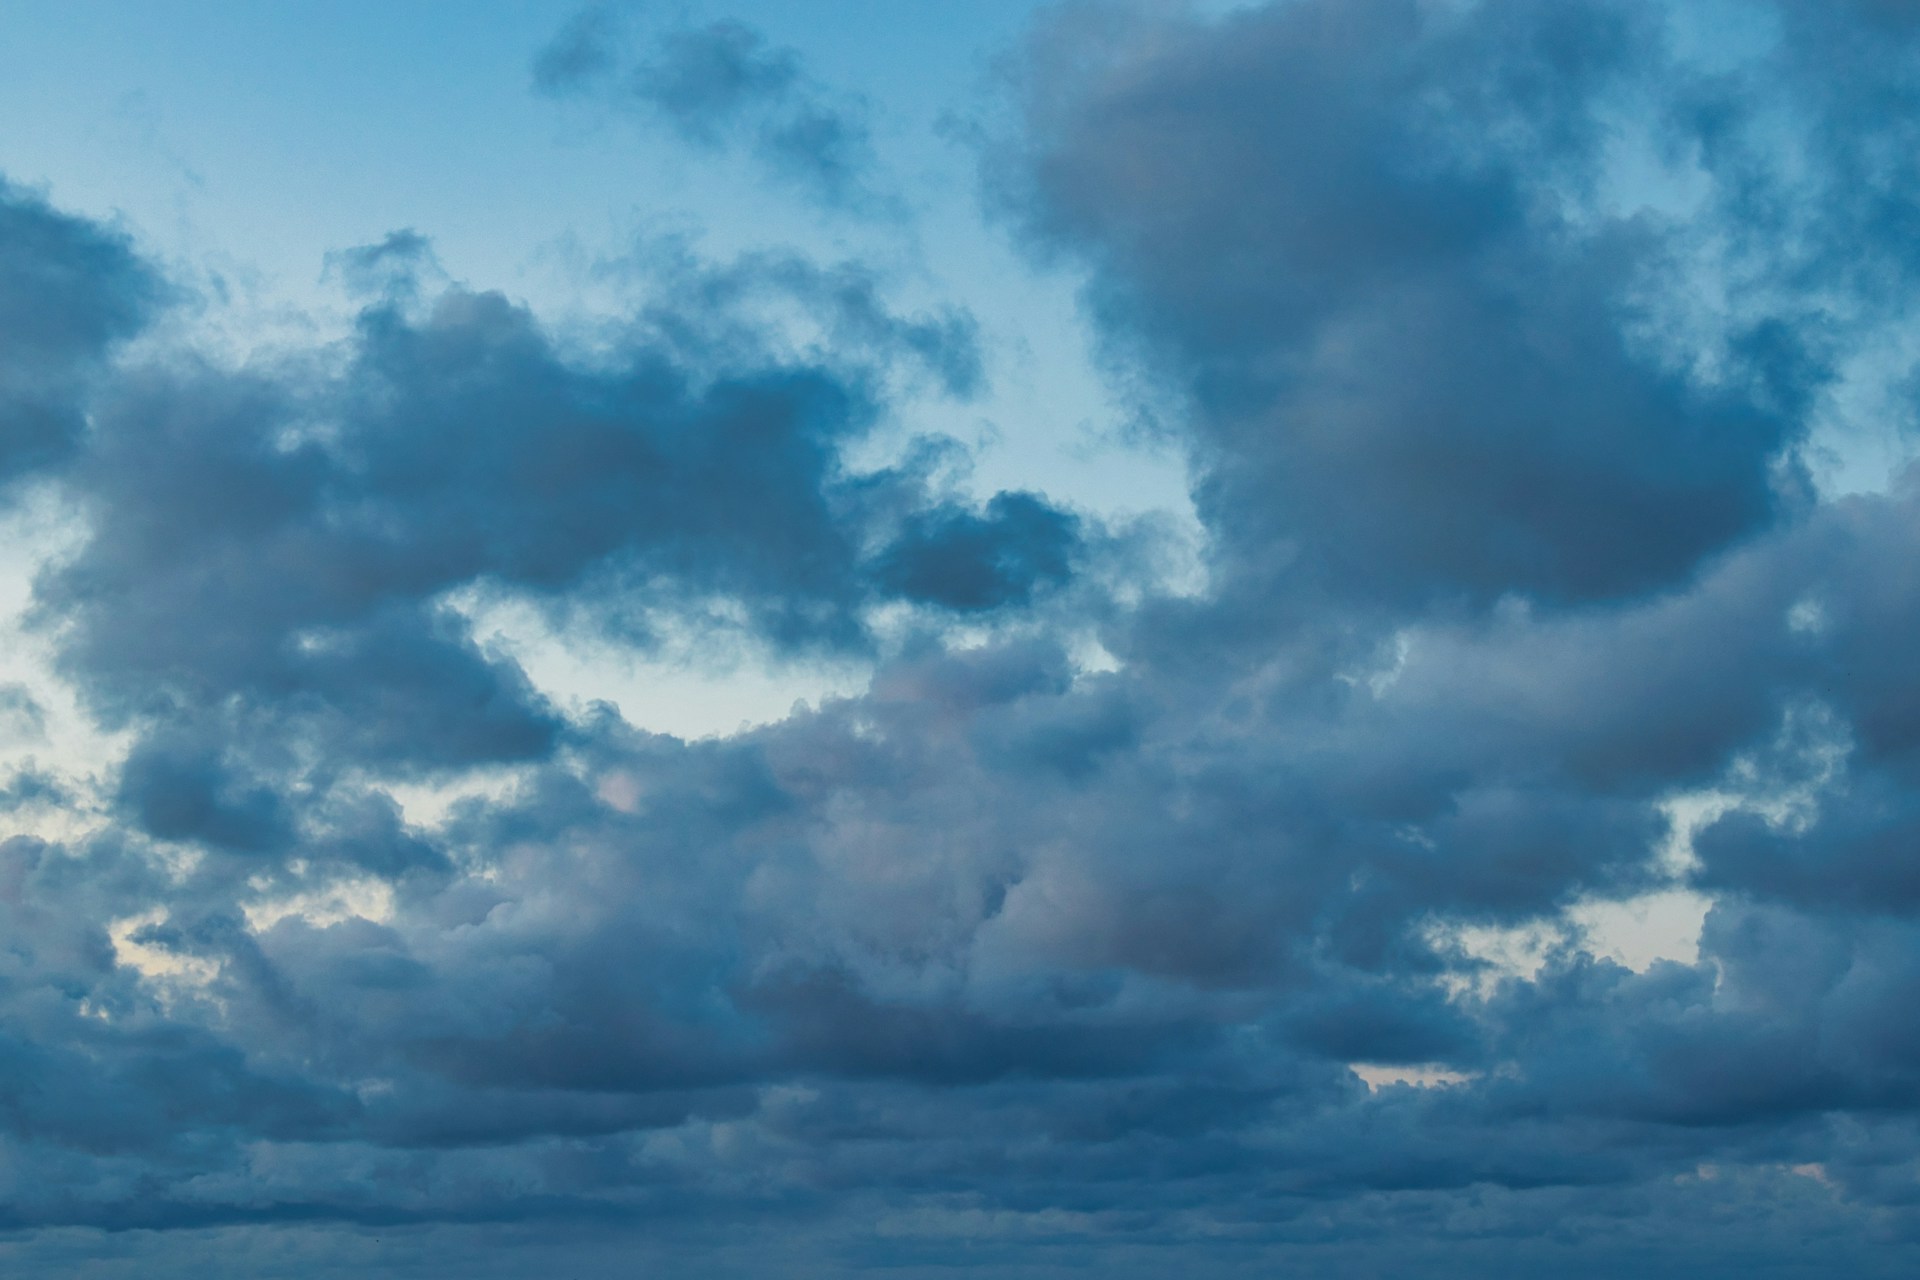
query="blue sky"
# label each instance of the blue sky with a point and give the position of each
(840, 639)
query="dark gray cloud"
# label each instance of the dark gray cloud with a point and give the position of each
(1411, 363)
(69, 290)
(972, 562)
(717, 86)
(287, 541)
(1006, 962)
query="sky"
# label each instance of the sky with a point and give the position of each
(1026, 638)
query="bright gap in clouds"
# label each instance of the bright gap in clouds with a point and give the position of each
(696, 682)
(52, 756)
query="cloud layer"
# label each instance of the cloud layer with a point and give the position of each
(1522, 596)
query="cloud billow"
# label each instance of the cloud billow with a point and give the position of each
(1040, 962)
(70, 290)
(1408, 361)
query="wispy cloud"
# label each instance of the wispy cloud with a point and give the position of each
(720, 86)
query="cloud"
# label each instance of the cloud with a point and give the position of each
(1411, 357)
(971, 562)
(70, 290)
(717, 86)
(389, 269)
(21, 715)
(1017, 958)
(274, 546)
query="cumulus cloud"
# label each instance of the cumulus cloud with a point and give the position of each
(69, 291)
(1049, 964)
(1411, 352)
